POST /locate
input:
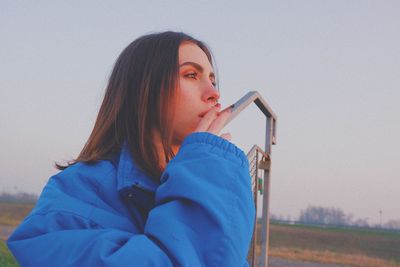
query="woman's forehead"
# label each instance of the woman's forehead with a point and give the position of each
(189, 52)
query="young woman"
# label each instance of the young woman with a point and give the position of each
(155, 184)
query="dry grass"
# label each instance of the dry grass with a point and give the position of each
(330, 257)
(11, 214)
(348, 247)
(371, 244)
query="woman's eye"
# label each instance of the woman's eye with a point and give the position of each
(191, 75)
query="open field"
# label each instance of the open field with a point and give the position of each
(350, 247)
(346, 247)
(11, 214)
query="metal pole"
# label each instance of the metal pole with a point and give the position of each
(265, 217)
(254, 252)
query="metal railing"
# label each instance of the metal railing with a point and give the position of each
(260, 167)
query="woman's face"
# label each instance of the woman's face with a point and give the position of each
(196, 93)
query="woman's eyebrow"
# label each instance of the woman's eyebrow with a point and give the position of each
(198, 67)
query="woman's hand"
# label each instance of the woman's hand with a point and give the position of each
(214, 120)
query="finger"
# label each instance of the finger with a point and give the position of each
(219, 123)
(208, 118)
(226, 136)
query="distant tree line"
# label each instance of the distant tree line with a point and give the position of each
(317, 215)
(18, 197)
(332, 216)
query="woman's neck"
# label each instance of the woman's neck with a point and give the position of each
(160, 149)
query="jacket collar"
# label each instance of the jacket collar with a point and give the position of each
(129, 174)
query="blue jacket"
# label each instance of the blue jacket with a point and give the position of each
(112, 214)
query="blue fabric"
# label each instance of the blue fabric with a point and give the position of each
(112, 214)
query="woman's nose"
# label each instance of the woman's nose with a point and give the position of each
(211, 95)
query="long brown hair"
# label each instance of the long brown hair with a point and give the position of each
(139, 98)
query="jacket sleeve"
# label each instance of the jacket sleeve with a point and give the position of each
(205, 205)
(204, 216)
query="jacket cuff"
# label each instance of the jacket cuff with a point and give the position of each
(215, 141)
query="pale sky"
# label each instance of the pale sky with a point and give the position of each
(330, 70)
